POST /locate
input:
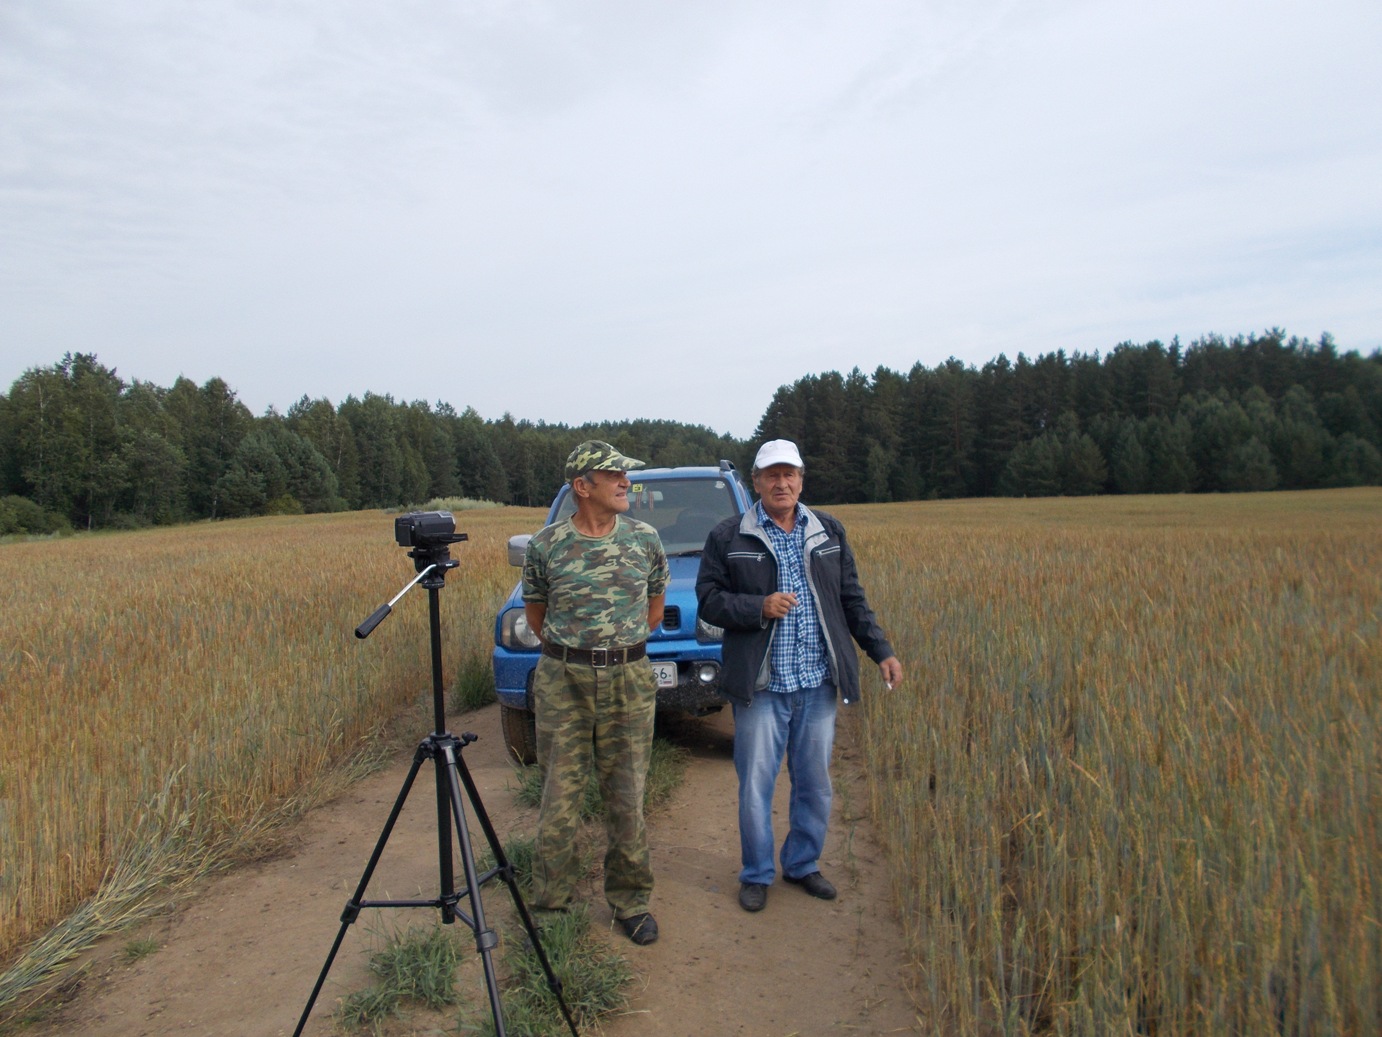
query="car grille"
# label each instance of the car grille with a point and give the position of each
(671, 618)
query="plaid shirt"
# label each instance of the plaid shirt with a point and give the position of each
(798, 652)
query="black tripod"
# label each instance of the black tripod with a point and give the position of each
(444, 750)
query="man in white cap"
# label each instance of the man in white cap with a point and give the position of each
(781, 581)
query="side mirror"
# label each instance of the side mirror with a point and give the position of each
(517, 545)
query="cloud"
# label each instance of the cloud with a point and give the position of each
(624, 209)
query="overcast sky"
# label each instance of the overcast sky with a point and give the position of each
(576, 211)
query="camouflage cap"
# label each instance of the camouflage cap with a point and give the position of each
(594, 455)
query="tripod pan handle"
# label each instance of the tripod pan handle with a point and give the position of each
(376, 617)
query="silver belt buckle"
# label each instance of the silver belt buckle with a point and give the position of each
(599, 657)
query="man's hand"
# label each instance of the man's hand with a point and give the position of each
(891, 670)
(778, 604)
(536, 611)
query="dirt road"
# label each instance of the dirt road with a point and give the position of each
(240, 958)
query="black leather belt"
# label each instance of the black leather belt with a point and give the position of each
(596, 656)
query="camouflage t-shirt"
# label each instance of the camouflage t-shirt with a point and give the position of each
(596, 589)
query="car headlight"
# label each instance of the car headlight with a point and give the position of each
(706, 632)
(514, 631)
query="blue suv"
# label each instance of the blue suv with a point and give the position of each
(683, 505)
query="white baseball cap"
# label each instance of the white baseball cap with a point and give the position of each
(777, 451)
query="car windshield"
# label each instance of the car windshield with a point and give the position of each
(683, 511)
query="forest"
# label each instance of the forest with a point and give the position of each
(81, 448)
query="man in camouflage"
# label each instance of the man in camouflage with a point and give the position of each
(594, 586)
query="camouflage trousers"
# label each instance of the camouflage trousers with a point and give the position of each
(599, 717)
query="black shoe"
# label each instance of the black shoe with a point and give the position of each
(752, 896)
(641, 929)
(816, 884)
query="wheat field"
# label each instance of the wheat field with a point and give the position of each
(168, 693)
(1131, 785)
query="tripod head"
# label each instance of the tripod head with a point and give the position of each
(428, 533)
(432, 564)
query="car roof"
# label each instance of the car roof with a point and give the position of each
(665, 473)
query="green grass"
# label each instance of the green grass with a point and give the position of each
(453, 504)
(519, 853)
(418, 968)
(593, 980)
(137, 950)
(415, 966)
(473, 686)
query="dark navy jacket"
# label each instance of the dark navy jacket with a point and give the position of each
(738, 570)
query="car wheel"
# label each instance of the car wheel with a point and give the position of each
(520, 733)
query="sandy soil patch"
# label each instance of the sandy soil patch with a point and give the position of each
(242, 955)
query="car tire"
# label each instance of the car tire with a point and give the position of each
(520, 733)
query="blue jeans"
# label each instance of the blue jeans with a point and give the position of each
(801, 723)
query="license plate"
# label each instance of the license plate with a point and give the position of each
(666, 674)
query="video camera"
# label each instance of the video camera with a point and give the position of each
(427, 533)
(426, 529)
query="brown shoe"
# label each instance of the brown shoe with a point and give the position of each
(816, 884)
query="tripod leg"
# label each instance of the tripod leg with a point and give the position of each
(486, 940)
(505, 868)
(506, 872)
(439, 739)
(445, 867)
(352, 908)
